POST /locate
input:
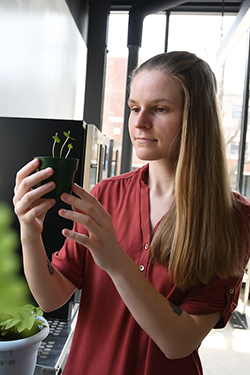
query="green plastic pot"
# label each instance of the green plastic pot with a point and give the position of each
(64, 174)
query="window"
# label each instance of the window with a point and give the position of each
(232, 88)
(116, 73)
(234, 148)
(183, 35)
(237, 111)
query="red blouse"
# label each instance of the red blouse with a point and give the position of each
(107, 339)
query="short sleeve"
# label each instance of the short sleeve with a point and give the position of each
(69, 261)
(220, 296)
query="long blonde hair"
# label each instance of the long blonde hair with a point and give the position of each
(198, 239)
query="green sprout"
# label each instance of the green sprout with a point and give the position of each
(57, 140)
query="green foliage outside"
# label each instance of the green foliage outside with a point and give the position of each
(18, 319)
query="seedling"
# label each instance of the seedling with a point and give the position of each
(57, 140)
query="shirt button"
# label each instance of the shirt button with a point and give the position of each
(142, 268)
(231, 291)
(146, 246)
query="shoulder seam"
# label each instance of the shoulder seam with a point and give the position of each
(125, 176)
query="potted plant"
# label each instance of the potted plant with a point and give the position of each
(64, 167)
(22, 331)
(22, 326)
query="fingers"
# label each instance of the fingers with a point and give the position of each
(25, 179)
(88, 212)
(26, 171)
(25, 197)
(81, 193)
(90, 224)
(100, 238)
(86, 203)
(77, 237)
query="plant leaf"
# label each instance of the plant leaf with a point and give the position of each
(10, 323)
(28, 308)
(56, 138)
(29, 321)
(67, 135)
(38, 311)
(26, 323)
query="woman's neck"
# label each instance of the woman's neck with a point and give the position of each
(161, 179)
(161, 191)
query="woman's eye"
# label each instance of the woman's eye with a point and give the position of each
(161, 109)
(134, 109)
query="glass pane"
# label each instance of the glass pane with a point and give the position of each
(153, 36)
(231, 100)
(116, 75)
(200, 34)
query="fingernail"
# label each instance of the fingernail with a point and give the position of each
(48, 170)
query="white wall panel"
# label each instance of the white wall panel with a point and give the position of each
(42, 60)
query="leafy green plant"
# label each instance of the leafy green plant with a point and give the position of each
(19, 322)
(57, 140)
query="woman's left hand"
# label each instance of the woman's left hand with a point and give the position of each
(101, 241)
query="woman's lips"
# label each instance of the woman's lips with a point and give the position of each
(145, 140)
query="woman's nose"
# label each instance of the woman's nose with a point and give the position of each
(142, 120)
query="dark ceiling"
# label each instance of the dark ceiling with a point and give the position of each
(196, 6)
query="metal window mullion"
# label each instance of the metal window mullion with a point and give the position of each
(167, 31)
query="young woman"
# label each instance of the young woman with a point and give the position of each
(159, 253)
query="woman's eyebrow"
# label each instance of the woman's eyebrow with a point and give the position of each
(158, 100)
(131, 101)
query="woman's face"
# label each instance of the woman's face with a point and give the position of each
(156, 103)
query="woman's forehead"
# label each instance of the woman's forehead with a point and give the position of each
(156, 85)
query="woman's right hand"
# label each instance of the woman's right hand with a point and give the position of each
(30, 208)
